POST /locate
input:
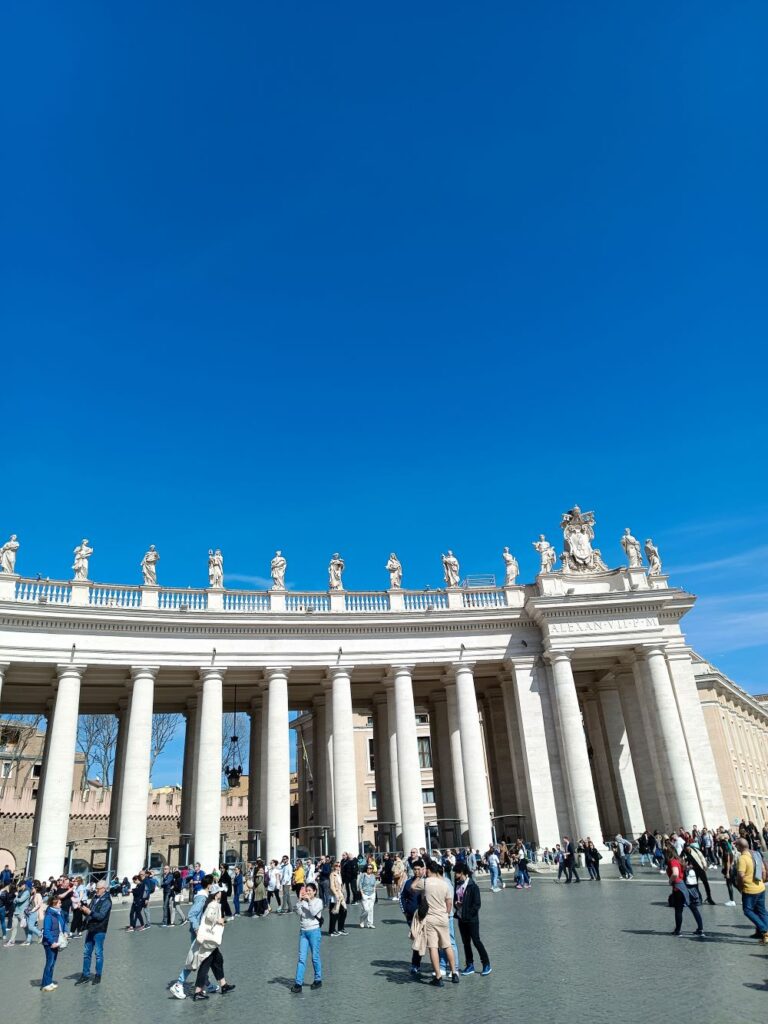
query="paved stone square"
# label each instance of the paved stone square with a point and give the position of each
(559, 952)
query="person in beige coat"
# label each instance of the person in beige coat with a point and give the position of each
(205, 952)
(338, 906)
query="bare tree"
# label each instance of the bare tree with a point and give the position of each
(97, 741)
(17, 731)
(163, 730)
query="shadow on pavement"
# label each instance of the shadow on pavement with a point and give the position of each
(285, 982)
(710, 936)
(395, 971)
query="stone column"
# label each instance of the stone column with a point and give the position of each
(642, 742)
(186, 824)
(132, 833)
(264, 765)
(507, 801)
(602, 776)
(45, 761)
(697, 739)
(437, 767)
(255, 810)
(409, 771)
(586, 820)
(384, 805)
(523, 708)
(394, 771)
(118, 768)
(441, 744)
(319, 758)
(473, 761)
(673, 752)
(622, 765)
(57, 792)
(278, 757)
(327, 741)
(208, 770)
(344, 768)
(4, 666)
(457, 763)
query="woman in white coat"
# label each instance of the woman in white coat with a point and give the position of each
(205, 952)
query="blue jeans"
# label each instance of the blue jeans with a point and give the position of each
(454, 947)
(309, 942)
(753, 905)
(93, 942)
(31, 922)
(3, 927)
(50, 963)
(495, 877)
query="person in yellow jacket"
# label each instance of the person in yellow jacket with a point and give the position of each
(298, 879)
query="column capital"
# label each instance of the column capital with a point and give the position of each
(400, 670)
(73, 668)
(521, 661)
(4, 666)
(122, 706)
(276, 672)
(650, 649)
(137, 671)
(211, 672)
(462, 666)
(337, 671)
(560, 655)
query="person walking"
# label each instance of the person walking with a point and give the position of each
(237, 890)
(194, 918)
(751, 876)
(178, 892)
(97, 921)
(467, 914)
(623, 850)
(138, 903)
(698, 863)
(338, 904)
(259, 902)
(79, 896)
(310, 911)
(399, 875)
(299, 878)
(439, 906)
(494, 868)
(54, 938)
(286, 877)
(679, 897)
(7, 897)
(592, 858)
(205, 953)
(32, 915)
(724, 847)
(367, 886)
(167, 887)
(409, 904)
(20, 903)
(274, 884)
(324, 880)
(569, 855)
(225, 884)
(349, 872)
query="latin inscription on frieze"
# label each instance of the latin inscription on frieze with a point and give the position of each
(601, 626)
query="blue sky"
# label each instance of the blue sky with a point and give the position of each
(370, 280)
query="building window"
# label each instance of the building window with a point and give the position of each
(425, 752)
(36, 771)
(422, 719)
(6, 771)
(372, 799)
(369, 721)
(371, 757)
(427, 796)
(229, 801)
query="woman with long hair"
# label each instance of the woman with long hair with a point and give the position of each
(32, 916)
(205, 952)
(259, 902)
(21, 899)
(680, 897)
(79, 896)
(338, 906)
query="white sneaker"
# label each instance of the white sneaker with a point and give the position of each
(177, 990)
(51, 987)
(362, 925)
(729, 903)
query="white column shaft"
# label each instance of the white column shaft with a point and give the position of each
(684, 800)
(264, 773)
(473, 760)
(394, 772)
(526, 728)
(279, 788)
(208, 773)
(409, 770)
(344, 767)
(132, 834)
(622, 764)
(586, 817)
(57, 792)
(457, 764)
(329, 814)
(254, 767)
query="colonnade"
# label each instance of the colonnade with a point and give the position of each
(568, 758)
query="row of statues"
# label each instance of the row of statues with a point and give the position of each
(578, 557)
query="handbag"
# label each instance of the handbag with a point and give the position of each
(63, 940)
(423, 908)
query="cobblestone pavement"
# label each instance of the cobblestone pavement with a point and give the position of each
(598, 951)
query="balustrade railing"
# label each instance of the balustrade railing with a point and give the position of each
(43, 591)
(483, 598)
(305, 602)
(103, 595)
(182, 600)
(246, 601)
(375, 601)
(424, 600)
(114, 597)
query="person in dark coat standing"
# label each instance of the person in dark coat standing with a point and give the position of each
(97, 916)
(466, 910)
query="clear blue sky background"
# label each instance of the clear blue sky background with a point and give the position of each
(334, 278)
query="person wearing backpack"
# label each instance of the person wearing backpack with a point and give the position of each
(623, 850)
(310, 911)
(750, 881)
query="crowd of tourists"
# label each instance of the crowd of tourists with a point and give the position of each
(436, 890)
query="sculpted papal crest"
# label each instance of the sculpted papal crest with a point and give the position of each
(578, 532)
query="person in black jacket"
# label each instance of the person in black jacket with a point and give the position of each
(466, 910)
(97, 915)
(349, 873)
